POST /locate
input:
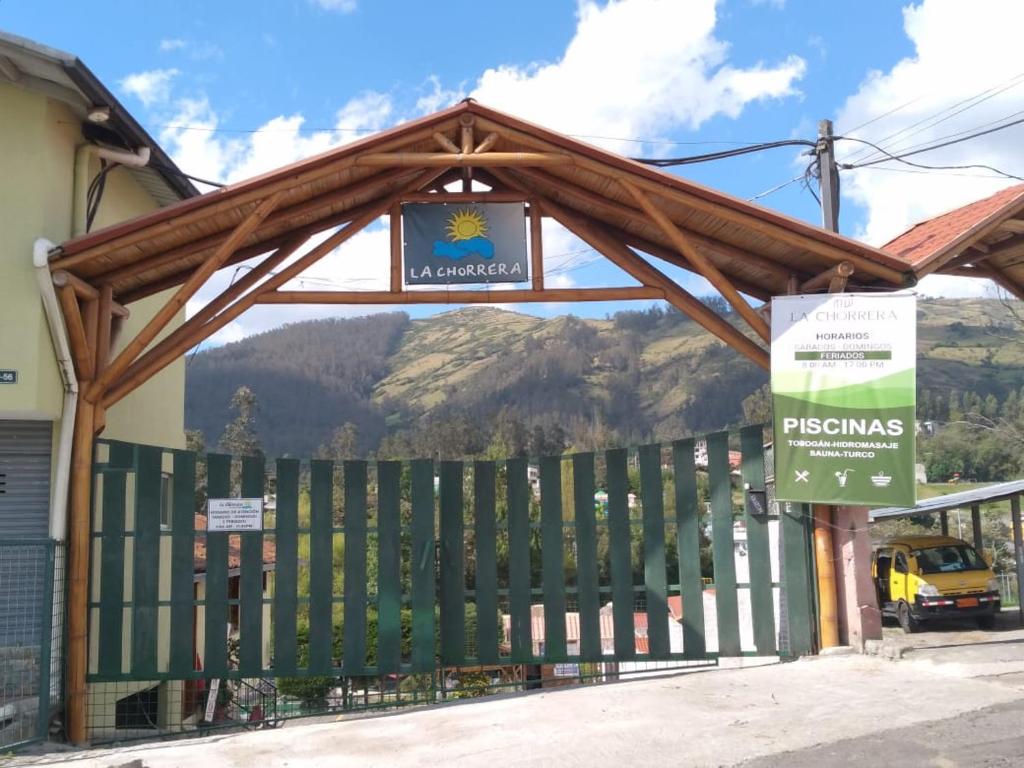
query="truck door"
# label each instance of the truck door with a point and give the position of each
(898, 578)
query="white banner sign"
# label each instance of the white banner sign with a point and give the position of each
(234, 515)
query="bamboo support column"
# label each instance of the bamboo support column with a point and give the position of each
(536, 247)
(824, 558)
(78, 571)
(396, 247)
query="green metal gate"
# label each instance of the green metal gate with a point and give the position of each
(394, 577)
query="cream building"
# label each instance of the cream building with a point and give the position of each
(59, 127)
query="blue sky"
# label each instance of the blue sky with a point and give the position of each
(233, 88)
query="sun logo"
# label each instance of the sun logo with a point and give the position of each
(465, 224)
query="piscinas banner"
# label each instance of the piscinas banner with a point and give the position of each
(843, 392)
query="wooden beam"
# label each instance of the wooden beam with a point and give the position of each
(464, 197)
(466, 130)
(202, 207)
(82, 289)
(91, 318)
(106, 322)
(489, 141)
(842, 270)
(278, 217)
(79, 544)
(644, 272)
(702, 264)
(188, 289)
(739, 215)
(536, 247)
(167, 351)
(446, 160)
(1013, 225)
(523, 296)
(1004, 280)
(396, 247)
(76, 333)
(445, 143)
(561, 190)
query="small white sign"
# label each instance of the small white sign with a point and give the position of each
(234, 515)
(211, 699)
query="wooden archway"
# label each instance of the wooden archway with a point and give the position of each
(620, 208)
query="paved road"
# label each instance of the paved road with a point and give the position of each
(992, 737)
(714, 718)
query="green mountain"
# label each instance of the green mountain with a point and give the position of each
(628, 378)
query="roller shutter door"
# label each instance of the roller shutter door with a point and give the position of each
(25, 479)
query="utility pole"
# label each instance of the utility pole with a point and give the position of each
(828, 176)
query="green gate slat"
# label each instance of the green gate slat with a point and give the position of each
(422, 566)
(215, 657)
(762, 603)
(389, 567)
(796, 575)
(655, 578)
(688, 535)
(183, 522)
(619, 555)
(722, 545)
(453, 580)
(111, 614)
(354, 637)
(552, 559)
(486, 535)
(518, 489)
(587, 595)
(250, 576)
(321, 566)
(286, 567)
(146, 570)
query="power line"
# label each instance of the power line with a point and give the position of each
(668, 162)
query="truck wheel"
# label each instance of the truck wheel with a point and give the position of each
(907, 621)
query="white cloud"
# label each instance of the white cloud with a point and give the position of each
(633, 68)
(341, 6)
(637, 68)
(172, 44)
(965, 73)
(150, 87)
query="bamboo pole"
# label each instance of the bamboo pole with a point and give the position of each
(76, 332)
(167, 312)
(277, 218)
(228, 295)
(464, 197)
(824, 559)
(743, 214)
(489, 141)
(199, 208)
(536, 247)
(645, 273)
(396, 247)
(524, 296)
(165, 352)
(78, 571)
(841, 270)
(445, 143)
(703, 265)
(445, 160)
(82, 289)
(466, 129)
(627, 213)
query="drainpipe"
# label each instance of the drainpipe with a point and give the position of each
(83, 157)
(58, 333)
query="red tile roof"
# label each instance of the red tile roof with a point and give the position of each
(234, 549)
(926, 243)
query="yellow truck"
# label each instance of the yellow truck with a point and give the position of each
(921, 578)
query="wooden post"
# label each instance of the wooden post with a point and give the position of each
(1018, 552)
(77, 336)
(944, 523)
(78, 571)
(396, 248)
(824, 557)
(976, 526)
(536, 247)
(834, 277)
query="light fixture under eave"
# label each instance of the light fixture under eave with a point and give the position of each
(98, 114)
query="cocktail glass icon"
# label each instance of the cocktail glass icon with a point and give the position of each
(841, 477)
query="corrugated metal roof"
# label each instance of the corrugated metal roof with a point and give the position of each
(958, 500)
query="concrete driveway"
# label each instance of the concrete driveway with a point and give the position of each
(777, 715)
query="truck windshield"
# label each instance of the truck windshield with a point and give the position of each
(949, 558)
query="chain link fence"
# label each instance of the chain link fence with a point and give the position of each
(29, 673)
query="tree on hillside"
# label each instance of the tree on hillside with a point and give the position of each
(196, 442)
(344, 443)
(239, 437)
